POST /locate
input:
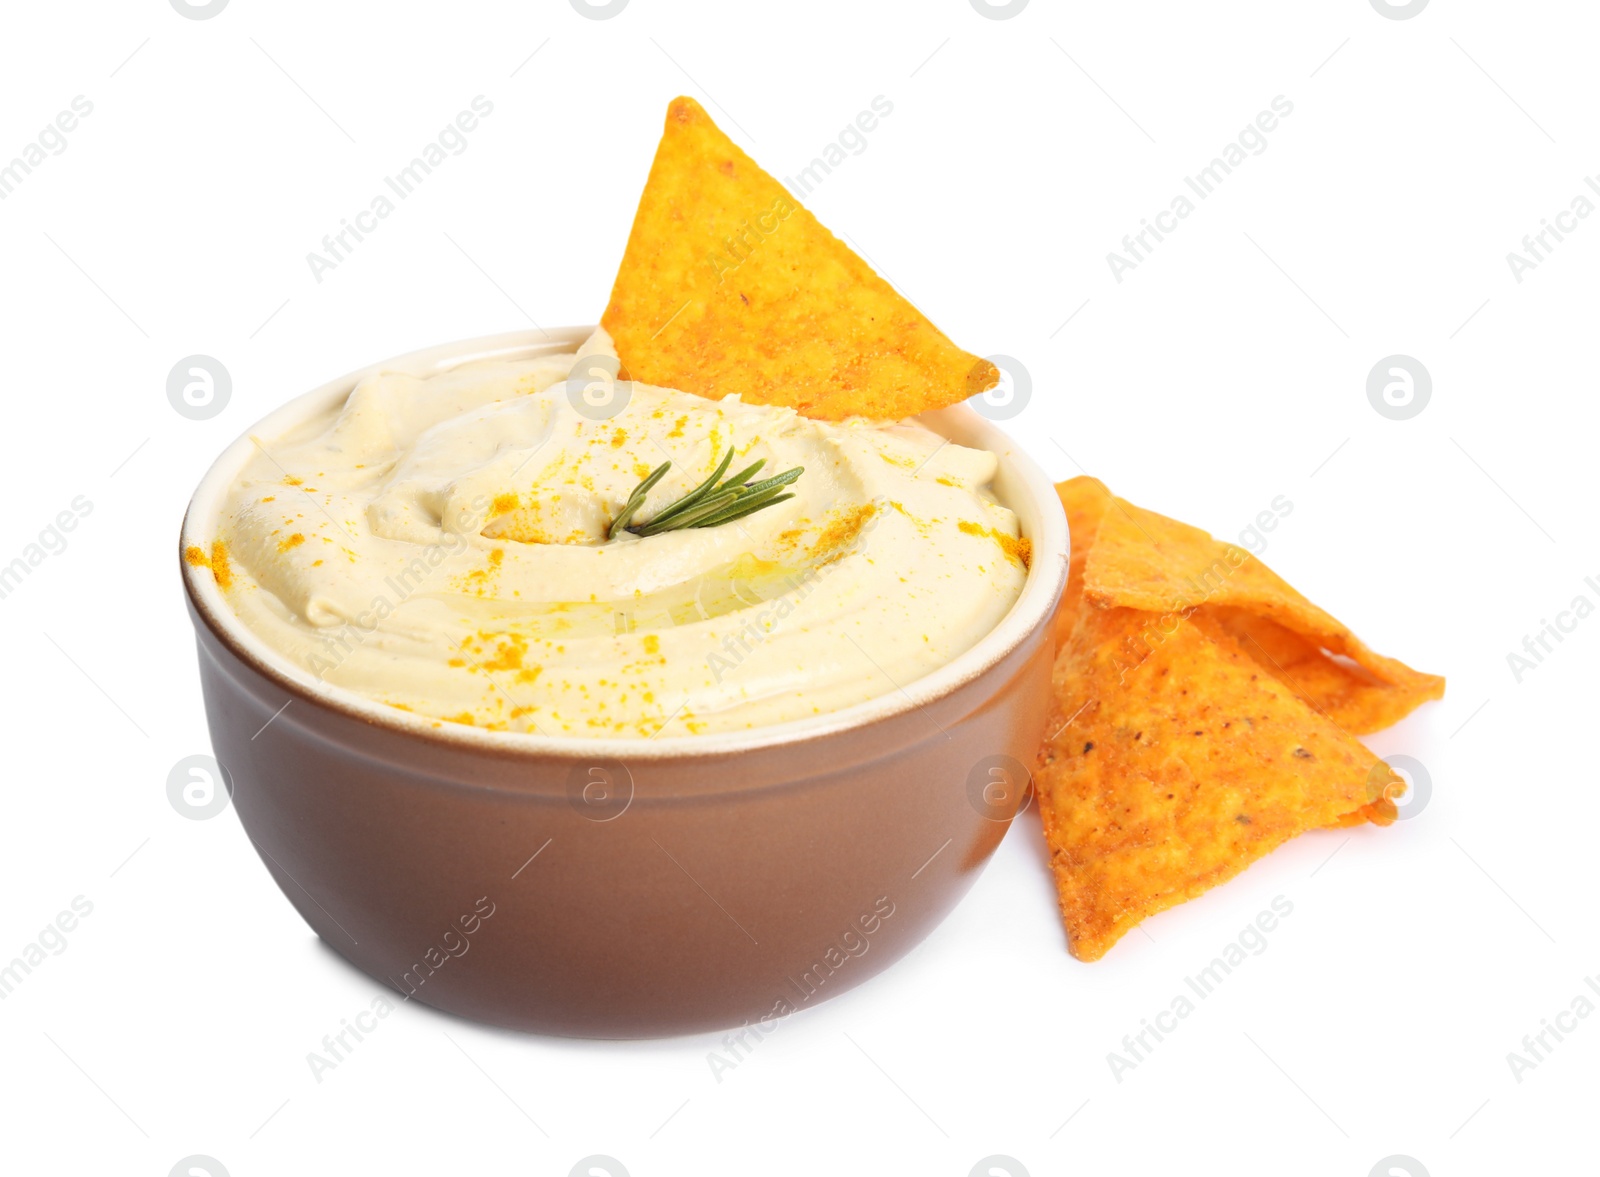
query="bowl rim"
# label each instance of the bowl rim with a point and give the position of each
(1035, 605)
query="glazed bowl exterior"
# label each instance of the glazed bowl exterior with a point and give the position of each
(627, 888)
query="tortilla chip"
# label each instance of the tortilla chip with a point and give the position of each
(1344, 691)
(728, 285)
(1142, 560)
(1203, 716)
(1175, 763)
(1085, 500)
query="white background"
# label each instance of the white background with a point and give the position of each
(1227, 369)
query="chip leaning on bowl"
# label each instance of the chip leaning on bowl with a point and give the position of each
(1205, 713)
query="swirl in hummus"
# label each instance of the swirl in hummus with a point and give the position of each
(440, 545)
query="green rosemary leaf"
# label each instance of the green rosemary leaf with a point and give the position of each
(636, 499)
(699, 492)
(744, 475)
(711, 503)
(744, 507)
(715, 506)
(704, 509)
(783, 479)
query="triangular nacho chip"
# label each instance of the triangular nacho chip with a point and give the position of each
(728, 285)
(1142, 560)
(1175, 763)
(1203, 715)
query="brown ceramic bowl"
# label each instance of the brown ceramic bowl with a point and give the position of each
(627, 888)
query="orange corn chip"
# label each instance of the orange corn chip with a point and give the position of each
(1344, 691)
(1142, 560)
(1202, 717)
(1176, 762)
(728, 285)
(1085, 499)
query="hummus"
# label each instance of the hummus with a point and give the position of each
(441, 545)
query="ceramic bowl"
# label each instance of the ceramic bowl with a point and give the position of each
(622, 888)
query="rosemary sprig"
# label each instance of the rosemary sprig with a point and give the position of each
(710, 504)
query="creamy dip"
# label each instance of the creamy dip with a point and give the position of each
(440, 545)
